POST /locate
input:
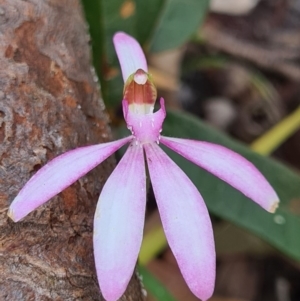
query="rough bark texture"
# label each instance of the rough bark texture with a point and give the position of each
(49, 103)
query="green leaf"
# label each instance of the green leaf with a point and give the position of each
(280, 229)
(105, 18)
(178, 20)
(115, 20)
(147, 14)
(155, 287)
(93, 13)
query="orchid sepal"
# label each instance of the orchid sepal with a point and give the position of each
(130, 54)
(118, 223)
(185, 220)
(228, 166)
(58, 174)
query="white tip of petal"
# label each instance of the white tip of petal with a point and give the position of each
(130, 54)
(11, 215)
(274, 206)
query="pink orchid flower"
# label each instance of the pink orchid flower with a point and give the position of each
(119, 217)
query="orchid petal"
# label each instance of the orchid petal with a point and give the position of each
(58, 174)
(228, 166)
(130, 54)
(185, 221)
(118, 224)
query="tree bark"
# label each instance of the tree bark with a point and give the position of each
(49, 103)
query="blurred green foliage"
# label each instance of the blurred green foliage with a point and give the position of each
(153, 286)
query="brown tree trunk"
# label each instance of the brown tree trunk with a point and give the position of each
(49, 103)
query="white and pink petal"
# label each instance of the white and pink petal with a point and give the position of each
(118, 224)
(228, 166)
(58, 174)
(185, 220)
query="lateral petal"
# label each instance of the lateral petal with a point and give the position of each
(118, 224)
(130, 54)
(185, 220)
(58, 174)
(228, 166)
